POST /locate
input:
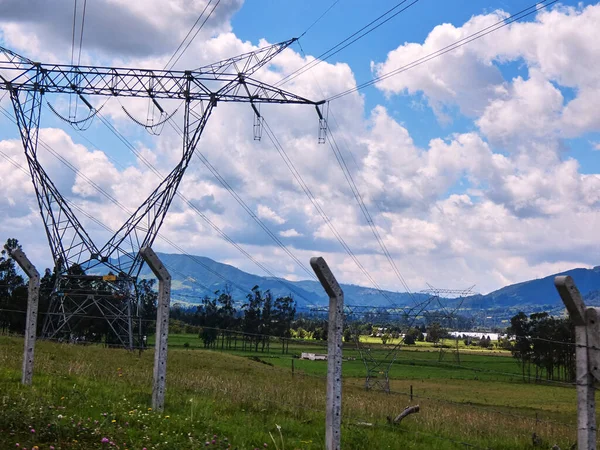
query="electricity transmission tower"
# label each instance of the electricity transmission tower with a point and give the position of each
(378, 358)
(99, 280)
(453, 299)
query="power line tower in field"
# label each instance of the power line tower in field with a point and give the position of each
(449, 302)
(98, 280)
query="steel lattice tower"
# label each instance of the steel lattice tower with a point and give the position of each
(110, 297)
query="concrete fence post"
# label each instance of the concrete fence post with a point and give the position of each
(162, 327)
(33, 296)
(333, 419)
(587, 332)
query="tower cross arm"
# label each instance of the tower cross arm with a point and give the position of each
(223, 81)
(247, 63)
(249, 90)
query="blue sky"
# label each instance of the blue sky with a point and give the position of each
(472, 165)
(276, 21)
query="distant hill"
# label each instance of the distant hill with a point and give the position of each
(196, 276)
(540, 291)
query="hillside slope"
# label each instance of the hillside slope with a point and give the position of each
(196, 276)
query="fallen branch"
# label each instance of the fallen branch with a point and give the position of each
(407, 411)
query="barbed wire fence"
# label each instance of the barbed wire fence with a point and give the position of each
(369, 419)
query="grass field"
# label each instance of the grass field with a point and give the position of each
(497, 365)
(81, 395)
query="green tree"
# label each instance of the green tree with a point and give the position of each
(284, 312)
(209, 321)
(347, 335)
(409, 339)
(435, 332)
(252, 320)
(147, 299)
(13, 292)
(522, 349)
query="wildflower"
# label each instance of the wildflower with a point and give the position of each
(35, 447)
(149, 409)
(33, 431)
(113, 421)
(166, 417)
(52, 447)
(104, 440)
(17, 445)
(265, 445)
(213, 442)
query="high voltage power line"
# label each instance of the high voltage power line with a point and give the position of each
(244, 205)
(363, 207)
(339, 156)
(457, 44)
(319, 18)
(357, 195)
(190, 32)
(307, 191)
(202, 215)
(370, 27)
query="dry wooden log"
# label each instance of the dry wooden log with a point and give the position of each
(407, 411)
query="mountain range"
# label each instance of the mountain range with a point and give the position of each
(196, 276)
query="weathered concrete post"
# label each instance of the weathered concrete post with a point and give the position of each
(333, 420)
(33, 296)
(587, 361)
(162, 327)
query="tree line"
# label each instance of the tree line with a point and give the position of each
(259, 316)
(88, 328)
(253, 324)
(543, 345)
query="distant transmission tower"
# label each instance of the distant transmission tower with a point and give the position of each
(379, 358)
(110, 296)
(448, 313)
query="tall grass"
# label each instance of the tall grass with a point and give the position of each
(81, 395)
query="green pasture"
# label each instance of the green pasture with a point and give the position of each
(414, 362)
(82, 394)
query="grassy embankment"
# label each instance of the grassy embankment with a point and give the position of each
(83, 394)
